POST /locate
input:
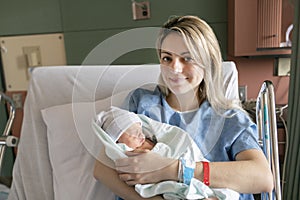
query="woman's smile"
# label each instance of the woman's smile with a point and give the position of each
(178, 80)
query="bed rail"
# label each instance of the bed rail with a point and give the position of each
(267, 128)
(7, 140)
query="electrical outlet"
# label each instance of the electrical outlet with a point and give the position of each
(243, 93)
(141, 10)
(17, 98)
(283, 67)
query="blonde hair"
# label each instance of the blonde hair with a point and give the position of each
(205, 50)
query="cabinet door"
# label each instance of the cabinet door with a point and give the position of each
(269, 23)
(245, 26)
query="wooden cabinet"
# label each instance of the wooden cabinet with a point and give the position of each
(257, 27)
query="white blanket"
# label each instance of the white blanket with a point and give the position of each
(173, 142)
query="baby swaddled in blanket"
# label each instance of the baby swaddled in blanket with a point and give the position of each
(121, 131)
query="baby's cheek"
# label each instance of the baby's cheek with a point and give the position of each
(135, 143)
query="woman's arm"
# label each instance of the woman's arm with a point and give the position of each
(249, 174)
(110, 178)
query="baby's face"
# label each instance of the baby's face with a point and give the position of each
(133, 137)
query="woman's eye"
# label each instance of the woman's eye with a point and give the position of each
(166, 59)
(188, 59)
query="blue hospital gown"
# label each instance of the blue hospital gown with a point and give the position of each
(219, 138)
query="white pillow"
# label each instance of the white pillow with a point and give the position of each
(72, 156)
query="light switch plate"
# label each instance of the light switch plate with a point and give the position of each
(282, 66)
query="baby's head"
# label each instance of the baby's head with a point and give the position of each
(122, 126)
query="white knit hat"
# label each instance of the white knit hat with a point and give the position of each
(115, 121)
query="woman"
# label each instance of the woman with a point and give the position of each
(191, 97)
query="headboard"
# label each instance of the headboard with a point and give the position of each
(34, 173)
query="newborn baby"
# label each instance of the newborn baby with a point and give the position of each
(125, 127)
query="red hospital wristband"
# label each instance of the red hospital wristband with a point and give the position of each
(205, 173)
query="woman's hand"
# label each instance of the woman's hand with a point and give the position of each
(110, 178)
(144, 166)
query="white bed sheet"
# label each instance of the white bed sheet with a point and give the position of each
(53, 86)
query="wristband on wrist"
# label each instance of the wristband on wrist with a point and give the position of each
(188, 168)
(205, 173)
(180, 173)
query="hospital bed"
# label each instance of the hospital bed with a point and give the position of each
(53, 161)
(267, 129)
(6, 140)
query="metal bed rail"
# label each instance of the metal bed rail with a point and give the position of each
(267, 128)
(7, 140)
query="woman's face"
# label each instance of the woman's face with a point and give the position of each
(179, 71)
(133, 137)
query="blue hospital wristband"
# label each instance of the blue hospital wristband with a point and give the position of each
(188, 168)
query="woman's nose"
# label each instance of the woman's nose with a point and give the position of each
(177, 66)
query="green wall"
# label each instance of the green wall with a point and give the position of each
(19, 17)
(85, 24)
